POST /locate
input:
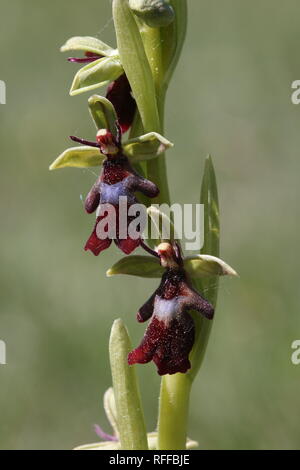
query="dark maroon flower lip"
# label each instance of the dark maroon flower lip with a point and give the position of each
(167, 344)
(170, 335)
(117, 179)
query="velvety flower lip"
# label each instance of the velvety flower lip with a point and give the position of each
(170, 335)
(117, 179)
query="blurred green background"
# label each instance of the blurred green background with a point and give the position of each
(230, 97)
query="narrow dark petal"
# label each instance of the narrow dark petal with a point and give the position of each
(146, 311)
(148, 249)
(198, 303)
(119, 94)
(146, 187)
(83, 60)
(137, 183)
(93, 199)
(84, 142)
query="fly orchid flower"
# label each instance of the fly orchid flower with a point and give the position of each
(170, 335)
(102, 67)
(117, 180)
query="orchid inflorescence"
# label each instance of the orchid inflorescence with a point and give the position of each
(136, 84)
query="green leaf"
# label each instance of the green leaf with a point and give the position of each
(155, 13)
(131, 425)
(88, 44)
(146, 147)
(136, 65)
(209, 197)
(207, 265)
(208, 286)
(96, 74)
(78, 157)
(103, 113)
(142, 266)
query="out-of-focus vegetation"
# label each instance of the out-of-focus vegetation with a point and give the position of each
(230, 97)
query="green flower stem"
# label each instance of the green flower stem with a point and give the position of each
(173, 411)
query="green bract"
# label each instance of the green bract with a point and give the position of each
(88, 44)
(96, 74)
(155, 13)
(78, 157)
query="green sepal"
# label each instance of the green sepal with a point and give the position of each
(146, 147)
(141, 266)
(88, 44)
(206, 265)
(103, 113)
(96, 74)
(155, 13)
(78, 157)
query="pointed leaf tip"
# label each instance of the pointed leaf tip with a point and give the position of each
(207, 265)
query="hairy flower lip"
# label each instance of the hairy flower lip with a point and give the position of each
(170, 335)
(117, 179)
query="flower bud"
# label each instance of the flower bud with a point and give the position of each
(155, 13)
